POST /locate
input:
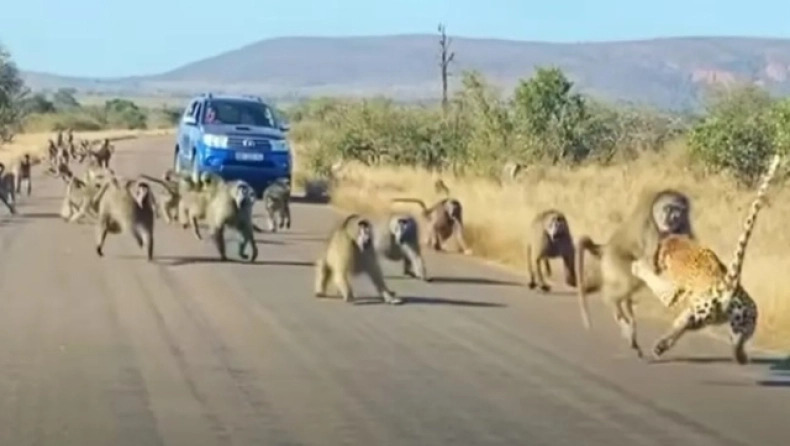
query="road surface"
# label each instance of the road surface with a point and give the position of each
(190, 351)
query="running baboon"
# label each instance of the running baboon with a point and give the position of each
(444, 220)
(276, 200)
(174, 189)
(121, 210)
(440, 188)
(79, 197)
(8, 182)
(7, 185)
(549, 237)
(349, 252)
(228, 204)
(21, 170)
(656, 215)
(397, 239)
(103, 155)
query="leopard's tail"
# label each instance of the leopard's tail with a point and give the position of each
(733, 277)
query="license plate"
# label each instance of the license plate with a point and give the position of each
(249, 156)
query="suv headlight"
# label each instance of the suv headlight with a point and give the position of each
(218, 141)
(280, 146)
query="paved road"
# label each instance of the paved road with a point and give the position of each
(189, 351)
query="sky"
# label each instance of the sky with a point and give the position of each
(107, 38)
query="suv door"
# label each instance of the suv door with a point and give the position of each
(184, 131)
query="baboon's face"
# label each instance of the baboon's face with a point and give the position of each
(453, 208)
(142, 194)
(364, 238)
(557, 227)
(671, 214)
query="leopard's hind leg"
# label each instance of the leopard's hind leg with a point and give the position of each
(743, 322)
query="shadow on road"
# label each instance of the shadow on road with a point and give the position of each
(778, 368)
(41, 215)
(473, 281)
(190, 260)
(430, 301)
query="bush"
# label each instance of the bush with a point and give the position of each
(480, 131)
(739, 133)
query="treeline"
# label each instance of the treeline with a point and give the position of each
(544, 121)
(22, 110)
(62, 110)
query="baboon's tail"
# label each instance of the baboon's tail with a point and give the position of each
(159, 182)
(733, 276)
(411, 200)
(585, 243)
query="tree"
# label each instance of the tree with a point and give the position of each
(551, 115)
(64, 99)
(12, 93)
(446, 57)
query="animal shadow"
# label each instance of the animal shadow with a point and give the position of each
(41, 215)
(428, 301)
(778, 367)
(473, 281)
(192, 260)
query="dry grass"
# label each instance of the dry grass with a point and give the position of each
(594, 198)
(36, 143)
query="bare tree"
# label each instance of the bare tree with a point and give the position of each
(447, 57)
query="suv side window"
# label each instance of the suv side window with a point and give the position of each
(190, 110)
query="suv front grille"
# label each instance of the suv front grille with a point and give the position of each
(237, 142)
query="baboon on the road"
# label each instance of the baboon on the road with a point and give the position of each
(443, 220)
(7, 189)
(22, 171)
(349, 252)
(549, 238)
(397, 239)
(103, 155)
(656, 215)
(221, 204)
(124, 211)
(276, 200)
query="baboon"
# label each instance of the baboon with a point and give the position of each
(21, 170)
(79, 198)
(124, 211)
(224, 204)
(440, 188)
(510, 170)
(103, 155)
(52, 151)
(656, 215)
(397, 239)
(174, 189)
(276, 200)
(59, 140)
(444, 220)
(7, 188)
(549, 237)
(349, 252)
(70, 137)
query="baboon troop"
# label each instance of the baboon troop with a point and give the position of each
(654, 246)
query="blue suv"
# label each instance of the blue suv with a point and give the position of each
(236, 137)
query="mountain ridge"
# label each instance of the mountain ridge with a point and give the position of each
(666, 72)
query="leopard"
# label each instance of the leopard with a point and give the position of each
(685, 269)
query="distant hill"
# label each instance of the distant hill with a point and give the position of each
(668, 73)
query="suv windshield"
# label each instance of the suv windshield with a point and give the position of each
(238, 113)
